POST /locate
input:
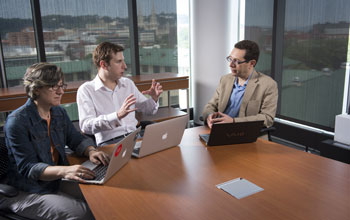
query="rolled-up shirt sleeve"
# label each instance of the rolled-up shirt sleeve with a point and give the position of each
(36, 170)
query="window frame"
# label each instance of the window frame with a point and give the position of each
(40, 43)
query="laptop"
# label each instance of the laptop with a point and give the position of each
(121, 155)
(160, 136)
(232, 133)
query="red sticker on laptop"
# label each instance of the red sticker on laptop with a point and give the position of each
(118, 150)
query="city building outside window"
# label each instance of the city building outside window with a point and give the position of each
(72, 29)
(315, 64)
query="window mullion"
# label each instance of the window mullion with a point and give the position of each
(38, 30)
(2, 69)
(134, 38)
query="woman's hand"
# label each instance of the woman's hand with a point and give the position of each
(77, 172)
(98, 157)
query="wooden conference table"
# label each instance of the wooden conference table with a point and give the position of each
(180, 183)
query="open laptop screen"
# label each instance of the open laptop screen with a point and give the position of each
(233, 133)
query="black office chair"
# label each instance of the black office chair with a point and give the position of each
(268, 132)
(77, 127)
(143, 125)
(6, 191)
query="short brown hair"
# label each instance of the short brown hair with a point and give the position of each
(251, 48)
(104, 52)
(40, 75)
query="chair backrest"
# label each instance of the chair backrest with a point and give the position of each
(4, 213)
(3, 157)
(76, 125)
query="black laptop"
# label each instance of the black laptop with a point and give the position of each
(233, 133)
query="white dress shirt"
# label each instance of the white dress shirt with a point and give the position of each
(98, 107)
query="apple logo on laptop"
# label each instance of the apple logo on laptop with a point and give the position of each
(164, 136)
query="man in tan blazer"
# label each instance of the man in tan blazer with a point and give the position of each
(245, 94)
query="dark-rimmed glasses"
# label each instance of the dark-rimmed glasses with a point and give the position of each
(55, 87)
(235, 61)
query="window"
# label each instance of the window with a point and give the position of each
(167, 69)
(144, 68)
(156, 69)
(73, 29)
(163, 30)
(17, 39)
(260, 30)
(157, 27)
(315, 48)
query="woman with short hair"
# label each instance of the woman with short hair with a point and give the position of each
(36, 135)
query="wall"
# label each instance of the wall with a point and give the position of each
(214, 31)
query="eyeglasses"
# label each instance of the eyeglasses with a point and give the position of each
(56, 87)
(235, 61)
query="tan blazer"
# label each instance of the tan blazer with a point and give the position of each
(259, 99)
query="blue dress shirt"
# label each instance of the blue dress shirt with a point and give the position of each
(234, 103)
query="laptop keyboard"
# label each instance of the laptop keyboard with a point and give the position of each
(100, 172)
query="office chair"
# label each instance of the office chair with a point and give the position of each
(263, 131)
(143, 125)
(6, 191)
(77, 127)
(267, 131)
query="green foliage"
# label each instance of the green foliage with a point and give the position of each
(65, 21)
(53, 22)
(13, 25)
(317, 53)
(88, 56)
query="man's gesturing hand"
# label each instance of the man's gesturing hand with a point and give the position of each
(154, 91)
(125, 108)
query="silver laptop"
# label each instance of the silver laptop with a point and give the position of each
(161, 136)
(121, 155)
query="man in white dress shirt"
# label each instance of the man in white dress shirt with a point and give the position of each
(107, 104)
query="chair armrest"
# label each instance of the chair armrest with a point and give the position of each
(268, 132)
(269, 129)
(8, 191)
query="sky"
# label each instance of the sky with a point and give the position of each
(298, 12)
(112, 8)
(258, 12)
(316, 11)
